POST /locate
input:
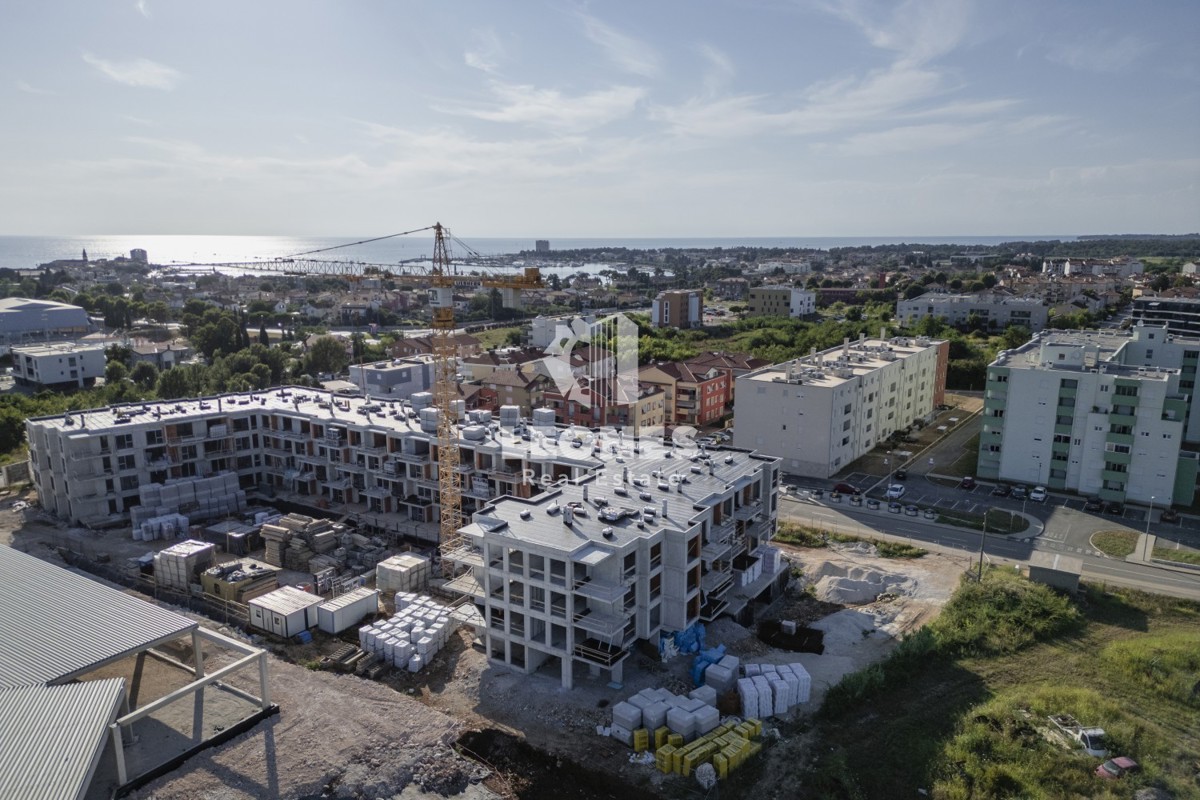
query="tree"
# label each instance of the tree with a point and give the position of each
(263, 338)
(115, 372)
(1014, 336)
(914, 290)
(327, 354)
(144, 374)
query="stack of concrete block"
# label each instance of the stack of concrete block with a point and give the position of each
(705, 694)
(626, 719)
(406, 572)
(722, 675)
(773, 689)
(772, 559)
(168, 526)
(750, 574)
(411, 637)
(180, 565)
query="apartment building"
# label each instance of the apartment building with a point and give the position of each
(694, 395)
(352, 455)
(575, 576)
(59, 365)
(1105, 413)
(1181, 315)
(995, 310)
(731, 365)
(606, 402)
(678, 309)
(781, 301)
(394, 379)
(820, 412)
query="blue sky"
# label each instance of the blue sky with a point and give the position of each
(671, 118)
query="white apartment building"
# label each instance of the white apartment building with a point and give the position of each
(820, 412)
(575, 576)
(781, 301)
(1106, 413)
(63, 364)
(374, 460)
(399, 378)
(996, 310)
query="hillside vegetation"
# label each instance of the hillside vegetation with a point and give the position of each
(959, 709)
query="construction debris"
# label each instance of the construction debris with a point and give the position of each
(293, 540)
(239, 580)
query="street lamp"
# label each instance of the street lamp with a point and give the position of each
(1149, 514)
(982, 539)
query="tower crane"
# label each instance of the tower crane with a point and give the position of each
(441, 275)
(445, 387)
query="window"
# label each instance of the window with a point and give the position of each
(129, 482)
(993, 448)
(998, 412)
(1149, 353)
(1063, 420)
(1070, 383)
(1124, 430)
(1114, 467)
(1116, 448)
(154, 437)
(1066, 401)
(124, 441)
(1126, 391)
(1060, 474)
(1001, 379)
(1062, 438)
(125, 462)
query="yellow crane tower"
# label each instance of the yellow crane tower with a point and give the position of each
(445, 386)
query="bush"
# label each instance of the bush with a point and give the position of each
(1002, 614)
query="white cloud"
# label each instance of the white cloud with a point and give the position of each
(30, 89)
(138, 72)
(551, 108)
(486, 52)
(917, 30)
(143, 8)
(1101, 52)
(911, 137)
(720, 68)
(626, 52)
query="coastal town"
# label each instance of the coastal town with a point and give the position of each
(620, 522)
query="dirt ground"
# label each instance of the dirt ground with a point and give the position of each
(339, 736)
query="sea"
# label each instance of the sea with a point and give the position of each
(27, 252)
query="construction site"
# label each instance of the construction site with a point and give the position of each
(449, 603)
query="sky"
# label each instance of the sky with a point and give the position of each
(666, 118)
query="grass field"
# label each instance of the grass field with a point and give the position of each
(959, 709)
(998, 521)
(1117, 544)
(496, 337)
(804, 536)
(1171, 554)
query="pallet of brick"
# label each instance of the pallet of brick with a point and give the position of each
(748, 695)
(178, 566)
(406, 572)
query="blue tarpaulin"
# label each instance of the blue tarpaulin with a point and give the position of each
(706, 657)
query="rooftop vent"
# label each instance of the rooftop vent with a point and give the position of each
(608, 533)
(526, 514)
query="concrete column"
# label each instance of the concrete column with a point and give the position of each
(593, 670)
(618, 672)
(197, 654)
(264, 686)
(568, 676)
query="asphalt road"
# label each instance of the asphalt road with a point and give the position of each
(1062, 530)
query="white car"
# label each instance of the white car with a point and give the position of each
(1038, 495)
(895, 491)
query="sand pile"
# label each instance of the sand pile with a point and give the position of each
(835, 583)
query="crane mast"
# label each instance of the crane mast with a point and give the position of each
(445, 392)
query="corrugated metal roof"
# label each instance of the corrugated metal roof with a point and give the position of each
(56, 625)
(349, 598)
(54, 736)
(286, 599)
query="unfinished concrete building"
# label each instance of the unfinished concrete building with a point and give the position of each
(374, 460)
(650, 542)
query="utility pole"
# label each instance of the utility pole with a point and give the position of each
(982, 539)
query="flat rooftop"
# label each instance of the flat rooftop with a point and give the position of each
(59, 349)
(684, 483)
(830, 368)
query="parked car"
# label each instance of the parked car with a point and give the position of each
(1115, 509)
(895, 491)
(1019, 492)
(911, 511)
(847, 488)
(1117, 767)
(900, 474)
(967, 483)
(1001, 490)
(1038, 495)
(1093, 504)
(1168, 515)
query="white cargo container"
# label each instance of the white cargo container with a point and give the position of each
(284, 612)
(347, 610)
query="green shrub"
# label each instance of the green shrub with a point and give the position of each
(1002, 614)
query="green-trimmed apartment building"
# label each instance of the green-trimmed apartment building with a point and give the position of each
(1106, 413)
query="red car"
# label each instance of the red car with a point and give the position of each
(847, 488)
(1117, 767)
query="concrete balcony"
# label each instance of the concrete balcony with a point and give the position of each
(600, 591)
(466, 584)
(599, 623)
(747, 512)
(467, 556)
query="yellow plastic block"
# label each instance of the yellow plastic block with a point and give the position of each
(663, 759)
(675, 739)
(641, 740)
(755, 749)
(721, 764)
(660, 736)
(677, 762)
(757, 723)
